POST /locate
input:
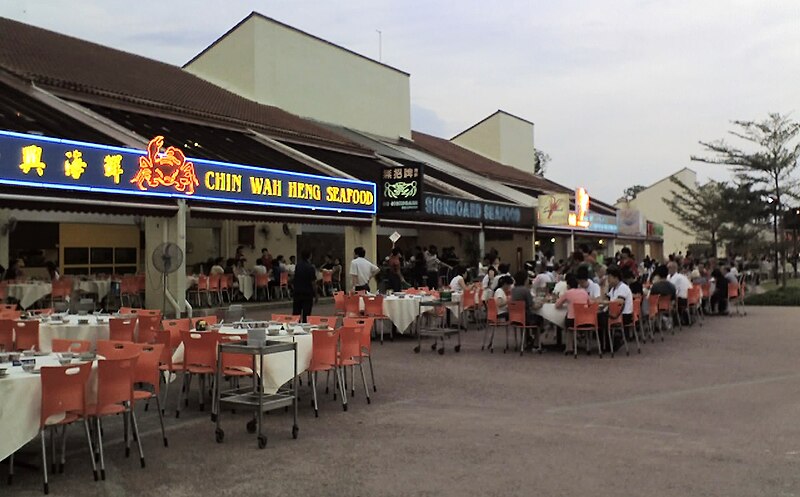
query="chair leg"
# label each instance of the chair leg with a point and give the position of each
(611, 341)
(314, 393)
(161, 420)
(136, 434)
(91, 448)
(372, 374)
(167, 376)
(342, 387)
(184, 393)
(11, 469)
(100, 446)
(44, 461)
(126, 436)
(364, 381)
(63, 449)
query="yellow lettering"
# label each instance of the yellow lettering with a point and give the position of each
(209, 184)
(256, 185)
(349, 196)
(276, 187)
(236, 185)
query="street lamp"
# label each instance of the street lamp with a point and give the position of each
(773, 201)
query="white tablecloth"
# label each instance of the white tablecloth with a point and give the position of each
(246, 285)
(556, 316)
(99, 287)
(403, 311)
(96, 329)
(278, 368)
(28, 293)
(21, 404)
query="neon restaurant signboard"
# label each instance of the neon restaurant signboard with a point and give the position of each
(42, 162)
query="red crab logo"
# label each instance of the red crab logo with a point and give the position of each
(553, 207)
(169, 169)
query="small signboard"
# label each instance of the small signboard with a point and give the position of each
(394, 237)
(401, 189)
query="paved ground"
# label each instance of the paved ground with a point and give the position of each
(712, 411)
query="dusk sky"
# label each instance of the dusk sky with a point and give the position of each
(620, 90)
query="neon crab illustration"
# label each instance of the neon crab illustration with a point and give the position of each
(170, 169)
(401, 189)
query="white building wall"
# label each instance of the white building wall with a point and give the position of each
(309, 77)
(651, 203)
(501, 137)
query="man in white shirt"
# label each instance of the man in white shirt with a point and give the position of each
(361, 270)
(592, 288)
(682, 286)
(542, 279)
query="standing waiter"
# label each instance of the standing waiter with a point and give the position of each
(361, 270)
(305, 286)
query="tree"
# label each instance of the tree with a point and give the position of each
(540, 161)
(631, 192)
(701, 210)
(770, 164)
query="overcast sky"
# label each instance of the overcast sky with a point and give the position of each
(620, 90)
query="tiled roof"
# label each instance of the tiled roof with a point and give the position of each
(479, 164)
(61, 62)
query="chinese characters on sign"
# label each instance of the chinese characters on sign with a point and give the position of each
(401, 189)
(169, 173)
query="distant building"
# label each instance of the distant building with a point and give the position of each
(650, 202)
(502, 137)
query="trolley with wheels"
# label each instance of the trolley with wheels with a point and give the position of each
(438, 334)
(254, 397)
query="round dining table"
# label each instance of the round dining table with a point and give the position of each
(404, 310)
(21, 403)
(28, 294)
(73, 327)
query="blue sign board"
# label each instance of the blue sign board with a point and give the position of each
(492, 213)
(602, 223)
(43, 162)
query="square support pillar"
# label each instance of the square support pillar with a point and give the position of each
(359, 236)
(159, 230)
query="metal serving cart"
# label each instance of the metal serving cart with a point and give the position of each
(254, 397)
(438, 334)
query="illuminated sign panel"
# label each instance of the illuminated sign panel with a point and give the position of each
(553, 210)
(36, 161)
(401, 189)
(478, 211)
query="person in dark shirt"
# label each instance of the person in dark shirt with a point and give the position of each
(662, 286)
(633, 282)
(305, 286)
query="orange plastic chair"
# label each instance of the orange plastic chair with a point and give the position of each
(666, 307)
(693, 304)
(171, 340)
(63, 395)
(8, 307)
(199, 358)
(176, 324)
(327, 281)
(339, 303)
(111, 349)
(148, 373)
(492, 323)
(615, 322)
(41, 312)
(61, 290)
(285, 318)
(329, 321)
(352, 304)
(637, 320)
(214, 285)
(324, 357)
(4, 290)
(470, 303)
(26, 335)
(373, 307)
(262, 283)
(733, 297)
(6, 335)
(284, 285)
(235, 365)
(121, 329)
(517, 319)
(149, 312)
(365, 324)
(129, 310)
(10, 315)
(75, 346)
(652, 317)
(149, 326)
(350, 356)
(115, 378)
(585, 321)
(225, 285)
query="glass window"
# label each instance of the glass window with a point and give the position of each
(124, 255)
(76, 255)
(102, 255)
